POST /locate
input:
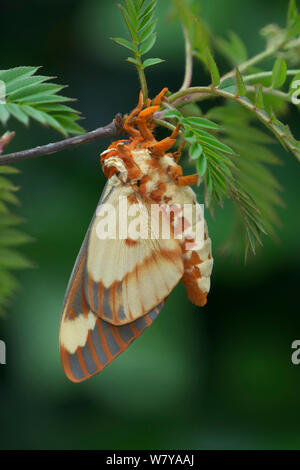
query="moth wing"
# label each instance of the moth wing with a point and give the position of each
(126, 278)
(87, 342)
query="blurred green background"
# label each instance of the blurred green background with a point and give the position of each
(214, 378)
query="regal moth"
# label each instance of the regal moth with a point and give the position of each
(119, 285)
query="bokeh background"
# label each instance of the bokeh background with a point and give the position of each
(214, 378)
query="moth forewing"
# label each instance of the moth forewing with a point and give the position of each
(127, 277)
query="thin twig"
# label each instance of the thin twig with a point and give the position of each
(188, 60)
(260, 75)
(161, 122)
(187, 95)
(271, 91)
(143, 82)
(254, 60)
(114, 129)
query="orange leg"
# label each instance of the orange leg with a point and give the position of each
(159, 97)
(176, 174)
(177, 155)
(176, 131)
(136, 124)
(188, 180)
(129, 127)
(160, 148)
(142, 122)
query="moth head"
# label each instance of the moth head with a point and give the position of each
(118, 160)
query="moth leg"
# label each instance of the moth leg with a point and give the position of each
(160, 148)
(188, 180)
(177, 155)
(175, 132)
(179, 179)
(128, 126)
(142, 124)
(157, 101)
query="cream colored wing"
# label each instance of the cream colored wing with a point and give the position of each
(126, 276)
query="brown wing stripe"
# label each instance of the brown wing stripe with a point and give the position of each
(92, 358)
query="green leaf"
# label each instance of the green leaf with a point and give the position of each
(148, 44)
(17, 112)
(6, 184)
(213, 69)
(221, 161)
(144, 21)
(200, 122)
(148, 31)
(10, 75)
(123, 42)
(252, 185)
(131, 23)
(138, 16)
(9, 237)
(8, 170)
(189, 136)
(172, 113)
(241, 88)
(147, 10)
(213, 142)
(68, 125)
(200, 38)
(259, 99)
(234, 49)
(136, 62)
(293, 21)
(58, 108)
(8, 196)
(229, 85)
(279, 73)
(12, 237)
(11, 259)
(202, 165)
(22, 83)
(131, 8)
(149, 62)
(195, 151)
(35, 89)
(34, 113)
(4, 114)
(41, 98)
(292, 13)
(52, 122)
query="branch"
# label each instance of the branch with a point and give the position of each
(114, 129)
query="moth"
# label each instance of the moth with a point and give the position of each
(120, 284)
